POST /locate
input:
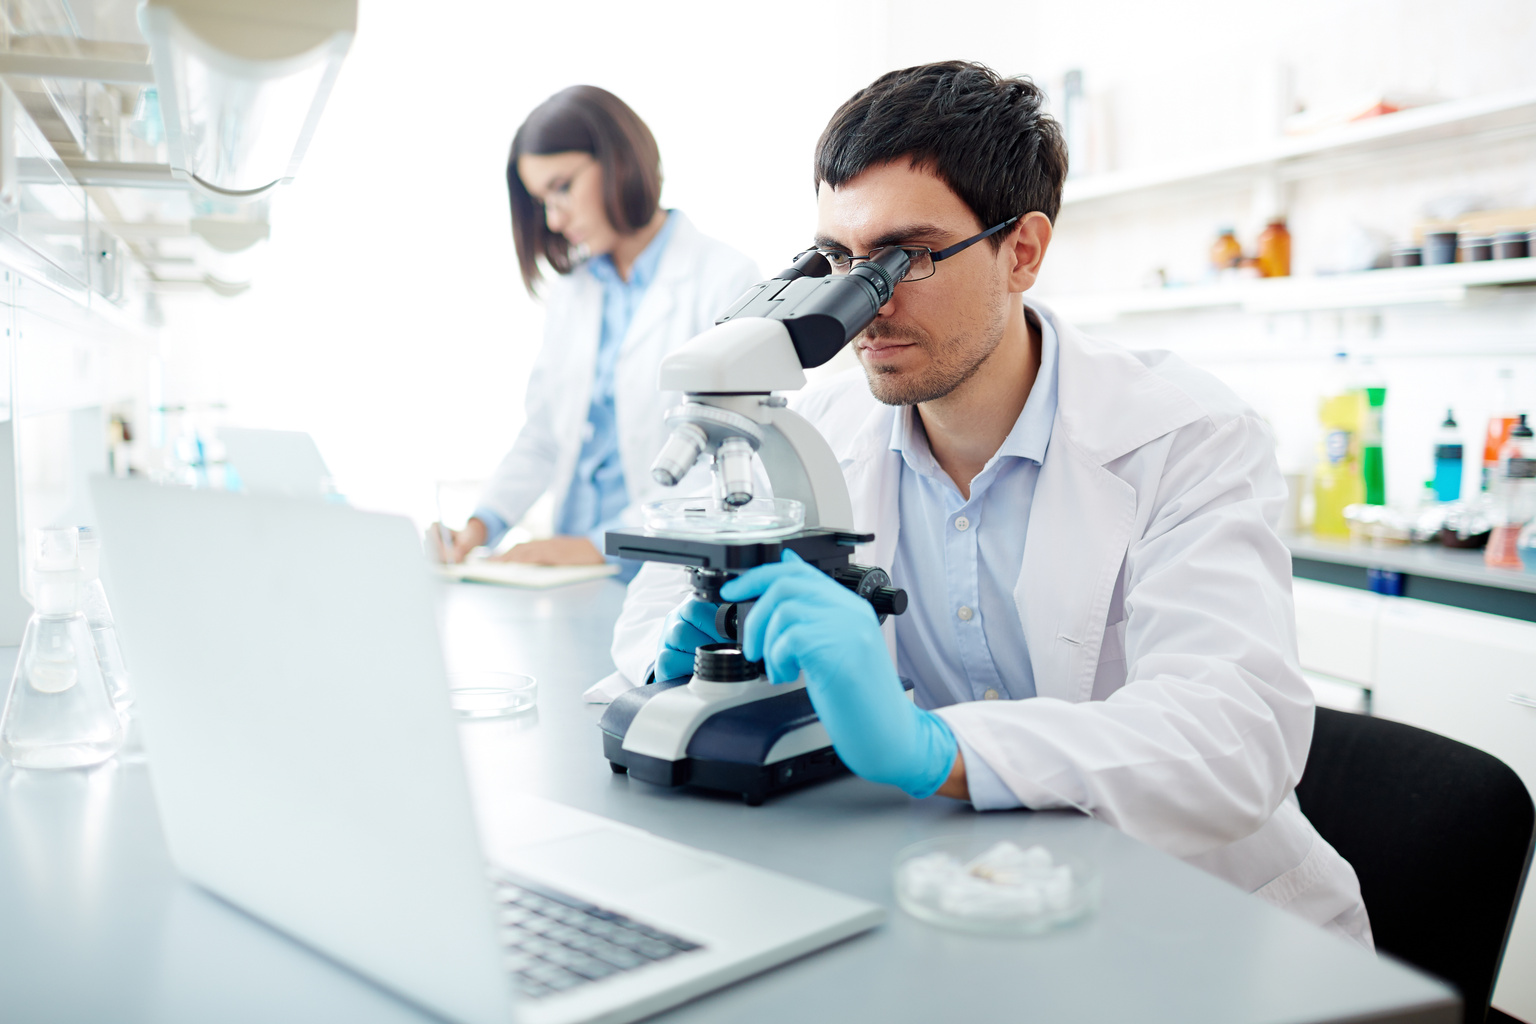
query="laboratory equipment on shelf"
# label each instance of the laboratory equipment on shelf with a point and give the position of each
(1274, 249)
(740, 734)
(1439, 247)
(1514, 497)
(1511, 245)
(58, 713)
(1226, 251)
(1448, 455)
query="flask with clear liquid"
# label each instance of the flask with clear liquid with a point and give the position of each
(58, 713)
(98, 615)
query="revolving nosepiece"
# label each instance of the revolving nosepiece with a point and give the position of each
(733, 465)
(679, 454)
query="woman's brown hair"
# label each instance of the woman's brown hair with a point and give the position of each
(583, 119)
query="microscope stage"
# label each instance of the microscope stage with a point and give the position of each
(718, 551)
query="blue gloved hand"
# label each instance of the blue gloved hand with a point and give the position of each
(688, 625)
(806, 622)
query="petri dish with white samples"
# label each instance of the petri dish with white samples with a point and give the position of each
(993, 887)
(694, 517)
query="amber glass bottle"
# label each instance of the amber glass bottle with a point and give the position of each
(1225, 251)
(1275, 250)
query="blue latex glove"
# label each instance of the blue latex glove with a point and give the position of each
(806, 622)
(688, 625)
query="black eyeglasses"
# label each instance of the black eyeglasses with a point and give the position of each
(922, 258)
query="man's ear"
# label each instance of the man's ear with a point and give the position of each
(1025, 248)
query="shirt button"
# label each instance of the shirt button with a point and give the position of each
(965, 613)
(990, 695)
(962, 523)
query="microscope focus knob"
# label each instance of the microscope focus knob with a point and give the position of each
(888, 601)
(873, 584)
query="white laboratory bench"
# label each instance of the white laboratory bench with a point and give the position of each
(96, 926)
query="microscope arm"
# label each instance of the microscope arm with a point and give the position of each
(801, 466)
(731, 367)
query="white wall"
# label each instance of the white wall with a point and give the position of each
(388, 319)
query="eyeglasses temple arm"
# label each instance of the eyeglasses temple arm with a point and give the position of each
(944, 254)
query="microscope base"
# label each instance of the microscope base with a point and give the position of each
(754, 750)
(753, 783)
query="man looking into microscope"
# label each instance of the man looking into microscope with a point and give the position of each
(1100, 610)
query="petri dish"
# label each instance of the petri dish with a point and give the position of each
(993, 887)
(710, 517)
(477, 696)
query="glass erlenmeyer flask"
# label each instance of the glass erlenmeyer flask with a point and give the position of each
(98, 615)
(58, 713)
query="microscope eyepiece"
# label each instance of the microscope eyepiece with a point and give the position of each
(883, 273)
(810, 263)
(824, 311)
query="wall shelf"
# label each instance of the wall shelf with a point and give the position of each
(1367, 289)
(1505, 115)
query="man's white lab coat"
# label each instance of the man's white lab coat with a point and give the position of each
(696, 280)
(1155, 598)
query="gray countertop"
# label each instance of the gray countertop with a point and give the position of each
(96, 926)
(1463, 565)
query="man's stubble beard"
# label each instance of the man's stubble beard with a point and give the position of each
(951, 362)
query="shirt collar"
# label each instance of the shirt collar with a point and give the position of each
(644, 269)
(1031, 433)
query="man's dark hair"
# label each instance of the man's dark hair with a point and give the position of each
(583, 119)
(984, 135)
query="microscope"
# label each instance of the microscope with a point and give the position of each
(726, 728)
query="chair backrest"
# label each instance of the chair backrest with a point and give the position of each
(1439, 834)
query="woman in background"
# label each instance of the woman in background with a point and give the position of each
(634, 281)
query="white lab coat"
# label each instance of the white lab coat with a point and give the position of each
(1156, 601)
(696, 280)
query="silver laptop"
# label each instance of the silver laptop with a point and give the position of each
(307, 768)
(276, 461)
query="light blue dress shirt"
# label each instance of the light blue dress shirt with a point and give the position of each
(959, 561)
(597, 496)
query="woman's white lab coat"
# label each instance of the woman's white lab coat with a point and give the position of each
(1156, 601)
(696, 280)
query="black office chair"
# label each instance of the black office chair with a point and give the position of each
(1440, 835)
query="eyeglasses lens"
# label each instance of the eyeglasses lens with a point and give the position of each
(921, 265)
(921, 262)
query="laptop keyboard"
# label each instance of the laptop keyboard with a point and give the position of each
(555, 942)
